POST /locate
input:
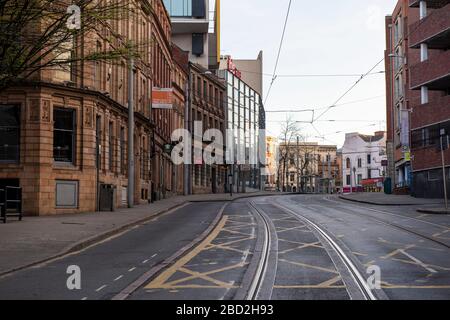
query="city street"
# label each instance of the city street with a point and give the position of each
(280, 247)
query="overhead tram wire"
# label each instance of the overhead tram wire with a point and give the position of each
(343, 75)
(410, 32)
(274, 76)
(349, 90)
(323, 108)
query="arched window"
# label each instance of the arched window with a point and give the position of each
(348, 163)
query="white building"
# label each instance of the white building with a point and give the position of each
(363, 157)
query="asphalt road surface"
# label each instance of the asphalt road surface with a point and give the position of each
(297, 247)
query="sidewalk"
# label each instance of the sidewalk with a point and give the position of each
(38, 239)
(382, 199)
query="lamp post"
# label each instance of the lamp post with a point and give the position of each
(130, 195)
(444, 176)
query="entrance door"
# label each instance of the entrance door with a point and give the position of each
(214, 180)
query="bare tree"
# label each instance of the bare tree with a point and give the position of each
(46, 34)
(288, 137)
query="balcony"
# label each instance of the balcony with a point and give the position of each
(433, 30)
(435, 4)
(434, 111)
(433, 73)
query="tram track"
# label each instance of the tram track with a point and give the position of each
(358, 280)
(258, 277)
(256, 284)
(390, 223)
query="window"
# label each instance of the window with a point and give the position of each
(348, 163)
(434, 175)
(179, 8)
(9, 133)
(197, 44)
(369, 159)
(198, 8)
(359, 179)
(359, 163)
(348, 178)
(64, 135)
(369, 173)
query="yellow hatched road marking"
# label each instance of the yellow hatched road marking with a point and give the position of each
(309, 266)
(163, 277)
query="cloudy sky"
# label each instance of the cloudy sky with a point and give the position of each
(322, 37)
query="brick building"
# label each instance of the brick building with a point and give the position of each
(430, 78)
(64, 134)
(207, 106)
(179, 82)
(398, 59)
(162, 171)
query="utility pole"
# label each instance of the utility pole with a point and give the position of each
(329, 173)
(130, 134)
(351, 176)
(187, 108)
(298, 163)
(444, 181)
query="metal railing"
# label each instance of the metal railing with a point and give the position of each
(10, 203)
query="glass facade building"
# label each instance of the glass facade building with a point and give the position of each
(243, 107)
(179, 8)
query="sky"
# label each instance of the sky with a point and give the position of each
(323, 37)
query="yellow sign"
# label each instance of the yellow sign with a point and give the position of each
(407, 156)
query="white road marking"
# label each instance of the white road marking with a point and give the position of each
(154, 255)
(145, 261)
(101, 288)
(423, 265)
(132, 269)
(118, 278)
(85, 298)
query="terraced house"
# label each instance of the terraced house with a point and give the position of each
(64, 131)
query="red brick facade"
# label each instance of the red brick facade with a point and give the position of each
(430, 39)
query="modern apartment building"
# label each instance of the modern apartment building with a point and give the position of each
(429, 37)
(64, 134)
(196, 28)
(363, 159)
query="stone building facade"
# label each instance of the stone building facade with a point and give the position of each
(64, 134)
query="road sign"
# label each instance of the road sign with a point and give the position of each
(407, 156)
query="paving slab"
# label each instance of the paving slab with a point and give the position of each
(382, 199)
